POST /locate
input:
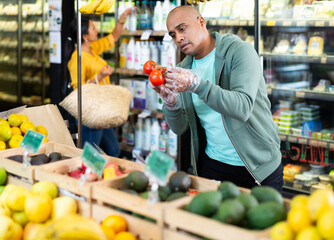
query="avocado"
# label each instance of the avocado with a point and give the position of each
(228, 190)
(231, 211)
(16, 158)
(164, 192)
(175, 196)
(137, 181)
(55, 156)
(266, 194)
(133, 192)
(248, 200)
(179, 182)
(206, 203)
(39, 159)
(266, 214)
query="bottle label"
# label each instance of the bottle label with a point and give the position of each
(162, 145)
(130, 139)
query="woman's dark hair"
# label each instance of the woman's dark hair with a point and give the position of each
(72, 40)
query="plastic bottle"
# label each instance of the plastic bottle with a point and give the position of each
(137, 56)
(163, 139)
(145, 54)
(154, 52)
(121, 9)
(133, 21)
(157, 17)
(155, 134)
(139, 133)
(165, 11)
(130, 54)
(127, 22)
(171, 55)
(125, 128)
(138, 13)
(151, 98)
(164, 54)
(147, 134)
(130, 140)
(122, 53)
(172, 143)
(145, 16)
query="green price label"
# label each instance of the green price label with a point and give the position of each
(158, 166)
(32, 141)
(93, 159)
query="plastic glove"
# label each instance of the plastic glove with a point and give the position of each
(180, 80)
(169, 99)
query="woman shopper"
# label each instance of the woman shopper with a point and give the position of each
(94, 70)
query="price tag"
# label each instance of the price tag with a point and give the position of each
(300, 94)
(93, 159)
(146, 35)
(287, 23)
(243, 23)
(301, 23)
(158, 167)
(32, 141)
(320, 23)
(271, 23)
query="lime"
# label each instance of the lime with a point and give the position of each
(3, 176)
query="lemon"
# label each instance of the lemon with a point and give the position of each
(116, 222)
(310, 233)
(26, 125)
(4, 123)
(2, 145)
(46, 187)
(299, 201)
(38, 207)
(5, 132)
(16, 198)
(17, 232)
(20, 217)
(3, 176)
(16, 131)
(319, 202)
(325, 225)
(4, 210)
(299, 218)
(42, 130)
(109, 232)
(5, 192)
(45, 140)
(15, 141)
(14, 120)
(23, 117)
(281, 231)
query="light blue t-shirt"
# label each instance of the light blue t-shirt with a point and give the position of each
(219, 146)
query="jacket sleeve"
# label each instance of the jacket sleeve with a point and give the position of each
(176, 120)
(245, 75)
(103, 44)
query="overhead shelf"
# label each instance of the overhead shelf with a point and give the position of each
(323, 59)
(140, 32)
(306, 94)
(130, 72)
(306, 141)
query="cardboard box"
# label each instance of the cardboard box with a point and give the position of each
(47, 116)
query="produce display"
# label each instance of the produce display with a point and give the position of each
(13, 130)
(41, 158)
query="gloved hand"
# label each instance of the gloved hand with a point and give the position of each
(169, 99)
(180, 79)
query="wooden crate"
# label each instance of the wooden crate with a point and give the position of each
(56, 172)
(27, 174)
(182, 224)
(108, 193)
(142, 229)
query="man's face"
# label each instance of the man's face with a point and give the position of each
(186, 31)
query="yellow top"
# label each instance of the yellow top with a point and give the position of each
(91, 64)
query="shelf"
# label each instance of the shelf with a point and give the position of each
(296, 190)
(140, 32)
(272, 22)
(306, 141)
(306, 94)
(324, 59)
(32, 47)
(153, 114)
(13, 63)
(9, 78)
(130, 72)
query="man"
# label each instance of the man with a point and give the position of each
(225, 95)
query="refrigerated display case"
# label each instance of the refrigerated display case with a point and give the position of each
(24, 60)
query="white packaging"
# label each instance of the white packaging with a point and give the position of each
(137, 56)
(157, 17)
(147, 135)
(127, 23)
(165, 11)
(122, 54)
(139, 133)
(130, 54)
(171, 55)
(145, 54)
(139, 96)
(154, 52)
(172, 143)
(151, 97)
(128, 83)
(164, 54)
(121, 9)
(155, 133)
(160, 104)
(133, 21)
(163, 138)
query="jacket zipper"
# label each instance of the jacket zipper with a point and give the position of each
(256, 181)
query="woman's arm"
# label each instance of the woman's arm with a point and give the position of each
(117, 32)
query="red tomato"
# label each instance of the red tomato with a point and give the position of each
(149, 66)
(156, 78)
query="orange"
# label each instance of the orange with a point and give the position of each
(45, 140)
(42, 130)
(117, 223)
(299, 218)
(14, 120)
(26, 125)
(320, 202)
(281, 231)
(23, 117)
(2, 145)
(16, 131)
(325, 225)
(15, 141)
(124, 236)
(109, 232)
(4, 122)
(5, 133)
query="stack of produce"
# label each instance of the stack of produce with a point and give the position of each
(259, 209)
(13, 130)
(310, 218)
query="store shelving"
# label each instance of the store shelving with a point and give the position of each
(305, 94)
(307, 141)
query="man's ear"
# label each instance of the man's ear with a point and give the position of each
(201, 21)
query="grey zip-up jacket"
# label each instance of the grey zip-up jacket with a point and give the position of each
(240, 96)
